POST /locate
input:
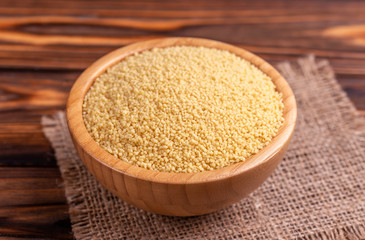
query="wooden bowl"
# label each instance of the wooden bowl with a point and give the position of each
(177, 194)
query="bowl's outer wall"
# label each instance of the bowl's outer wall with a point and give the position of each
(180, 199)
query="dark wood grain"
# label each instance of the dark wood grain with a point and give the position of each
(45, 45)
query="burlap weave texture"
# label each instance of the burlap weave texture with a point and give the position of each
(318, 191)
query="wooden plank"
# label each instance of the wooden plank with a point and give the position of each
(30, 183)
(32, 204)
(16, 197)
(35, 222)
(29, 172)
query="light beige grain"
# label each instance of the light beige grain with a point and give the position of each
(183, 109)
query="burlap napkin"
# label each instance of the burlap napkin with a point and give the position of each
(318, 191)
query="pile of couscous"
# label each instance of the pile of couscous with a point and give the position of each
(183, 109)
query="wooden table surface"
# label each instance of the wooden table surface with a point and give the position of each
(45, 45)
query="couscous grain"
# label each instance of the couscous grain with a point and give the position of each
(183, 109)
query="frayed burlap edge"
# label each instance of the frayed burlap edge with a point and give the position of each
(66, 155)
(350, 233)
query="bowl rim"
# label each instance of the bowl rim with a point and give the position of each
(83, 139)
